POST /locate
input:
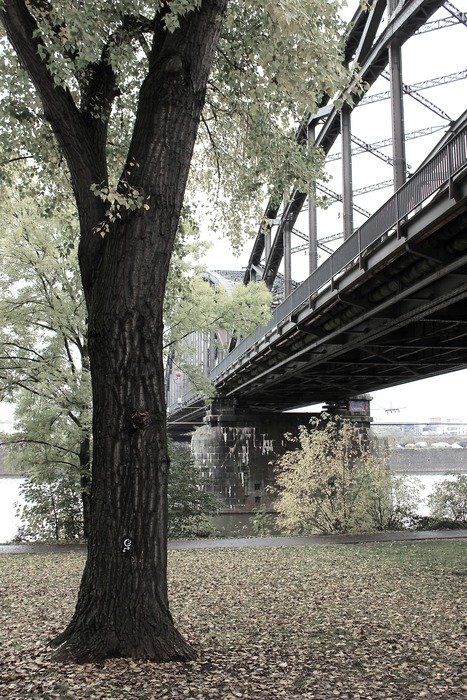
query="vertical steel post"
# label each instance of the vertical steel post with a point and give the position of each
(312, 214)
(267, 243)
(347, 195)
(287, 260)
(397, 108)
(287, 244)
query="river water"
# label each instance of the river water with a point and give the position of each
(9, 495)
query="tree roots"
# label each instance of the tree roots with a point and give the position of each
(82, 645)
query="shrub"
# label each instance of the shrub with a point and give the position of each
(333, 483)
(428, 522)
(448, 499)
(263, 523)
(52, 508)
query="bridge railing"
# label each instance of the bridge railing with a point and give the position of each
(437, 172)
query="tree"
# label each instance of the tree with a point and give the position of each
(333, 483)
(449, 499)
(123, 87)
(43, 355)
(189, 505)
(43, 344)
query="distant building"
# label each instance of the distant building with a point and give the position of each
(411, 429)
(445, 426)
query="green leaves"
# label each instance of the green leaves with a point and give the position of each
(119, 202)
(204, 307)
(176, 10)
(449, 498)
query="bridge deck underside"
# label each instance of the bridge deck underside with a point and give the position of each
(403, 319)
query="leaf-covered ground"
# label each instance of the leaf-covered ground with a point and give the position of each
(381, 621)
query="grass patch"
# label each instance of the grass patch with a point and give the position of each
(381, 621)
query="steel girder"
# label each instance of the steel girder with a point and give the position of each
(402, 319)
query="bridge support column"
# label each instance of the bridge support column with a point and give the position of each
(356, 410)
(236, 449)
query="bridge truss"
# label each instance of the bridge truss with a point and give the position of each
(386, 306)
(375, 42)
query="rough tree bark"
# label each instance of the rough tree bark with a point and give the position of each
(85, 484)
(122, 607)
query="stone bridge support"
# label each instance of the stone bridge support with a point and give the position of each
(236, 449)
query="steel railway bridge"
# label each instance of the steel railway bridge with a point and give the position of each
(388, 305)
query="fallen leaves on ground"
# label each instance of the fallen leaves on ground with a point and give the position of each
(364, 622)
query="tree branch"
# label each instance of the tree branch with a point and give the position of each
(27, 441)
(24, 34)
(14, 160)
(82, 138)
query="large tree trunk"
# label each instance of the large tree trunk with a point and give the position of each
(85, 483)
(123, 607)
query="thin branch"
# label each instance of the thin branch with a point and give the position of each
(22, 347)
(19, 383)
(75, 420)
(215, 151)
(193, 330)
(69, 355)
(14, 160)
(28, 441)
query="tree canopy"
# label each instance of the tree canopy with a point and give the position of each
(275, 60)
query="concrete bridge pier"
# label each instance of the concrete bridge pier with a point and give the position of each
(356, 410)
(236, 448)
